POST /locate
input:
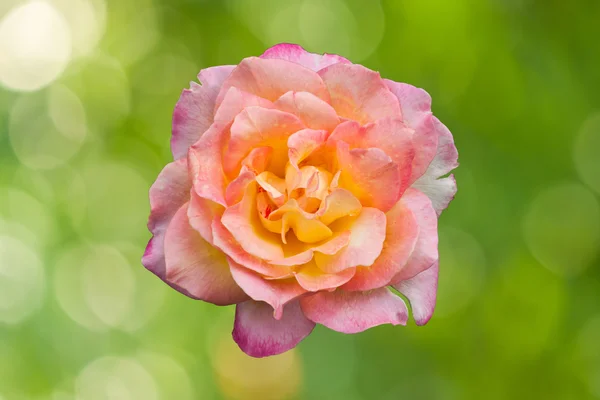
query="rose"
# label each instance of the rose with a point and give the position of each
(303, 187)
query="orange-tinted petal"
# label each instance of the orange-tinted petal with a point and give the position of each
(256, 127)
(224, 240)
(243, 222)
(235, 101)
(339, 203)
(313, 279)
(367, 234)
(371, 175)
(314, 112)
(271, 78)
(358, 93)
(206, 167)
(402, 231)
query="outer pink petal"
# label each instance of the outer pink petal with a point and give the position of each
(260, 335)
(440, 191)
(353, 312)
(296, 54)
(400, 240)
(193, 113)
(414, 102)
(271, 78)
(311, 278)
(425, 252)
(358, 93)
(421, 291)
(257, 126)
(195, 267)
(367, 234)
(314, 112)
(277, 293)
(170, 191)
(205, 164)
(371, 175)
(416, 110)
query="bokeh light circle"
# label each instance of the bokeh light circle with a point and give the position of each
(87, 21)
(28, 212)
(21, 280)
(585, 152)
(562, 228)
(109, 378)
(46, 129)
(35, 44)
(95, 286)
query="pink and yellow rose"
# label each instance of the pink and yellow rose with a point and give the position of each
(303, 188)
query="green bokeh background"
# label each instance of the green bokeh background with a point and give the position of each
(518, 315)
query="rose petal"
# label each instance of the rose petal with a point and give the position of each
(277, 293)
(260, 335)
(235, 101)
(358, 93)
(313, 279)
(416, 111)
(440, 191)
(339, 203)
(271, 78)
(307, 227)
(243, 222)
(388, 134)
(353, 312)
(425, 252)
(314, 112)
(273, 185)
(168, 193)
(371, 175)
(193, 113)
(337, 242)
(255, 127)
(201, 213)
(366, 241)
(234, 192)
(195, 267)
(296, 54)
(400, 239)
(302, 143)
(205, 164)
(227, 243)
(421, 291)
(255, 163)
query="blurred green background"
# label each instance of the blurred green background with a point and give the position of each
(87, 89)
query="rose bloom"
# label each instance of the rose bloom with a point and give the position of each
(304, 187)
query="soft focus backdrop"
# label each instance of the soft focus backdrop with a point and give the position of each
(87, 89)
